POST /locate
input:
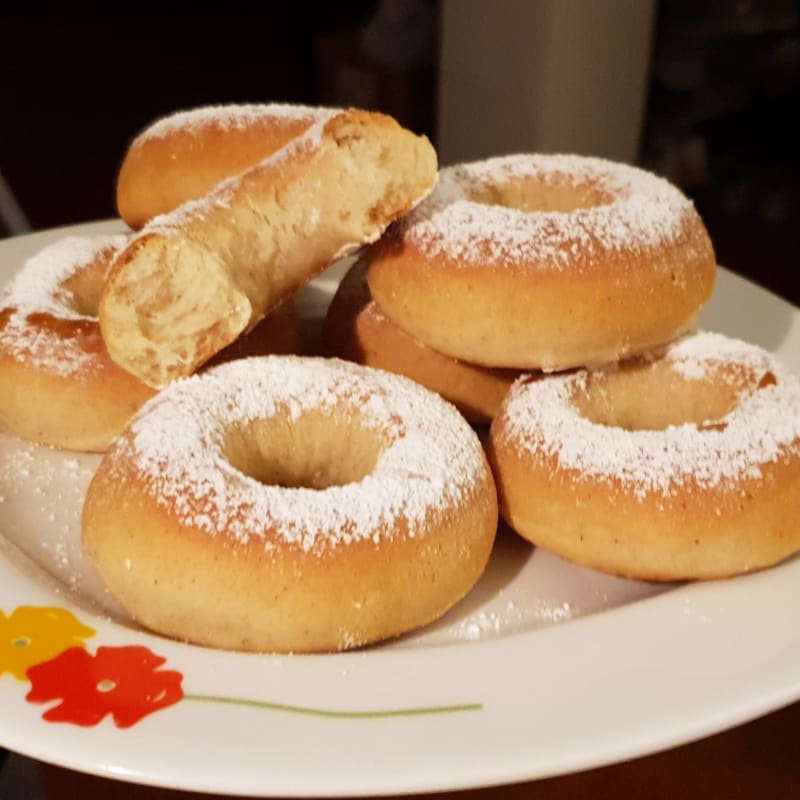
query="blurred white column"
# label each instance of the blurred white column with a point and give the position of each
(543, 75)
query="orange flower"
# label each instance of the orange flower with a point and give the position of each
(35, 634)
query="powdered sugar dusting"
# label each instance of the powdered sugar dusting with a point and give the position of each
(644, 211)
(173, 223)
(764, 427)
(232, 117)
(40, 287)
(692, 356)
(431, 460)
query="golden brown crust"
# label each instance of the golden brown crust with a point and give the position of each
(357, 330)
(188, 286)
(525, 319)
(83, 411)
(164, 168)
(288, 600)
(696, 534)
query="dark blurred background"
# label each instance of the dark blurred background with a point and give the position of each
(718, 84)
(722, 122)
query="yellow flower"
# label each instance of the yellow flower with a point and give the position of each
(32, 635)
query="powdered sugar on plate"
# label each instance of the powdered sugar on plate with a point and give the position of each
(762, 428)
(643, 211)
(41, 496)
(430, 463)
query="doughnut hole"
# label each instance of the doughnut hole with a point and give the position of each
(313, 451)
(81, 291)
(656, 396)
(531, 195)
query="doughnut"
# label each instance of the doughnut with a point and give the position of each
(184, 155)
(192, 280)
(291, 504)
(545, 262)
(60, 387)
(355, 329)
(684, 465)
(279, 333)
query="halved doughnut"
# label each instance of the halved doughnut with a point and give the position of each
(191, 281)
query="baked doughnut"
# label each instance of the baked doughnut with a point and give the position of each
(184, 155)
(546, 262)
(279, 333)
(291, 504)
(192, 280)
(684, 466)
(59, 385)
(355, 329)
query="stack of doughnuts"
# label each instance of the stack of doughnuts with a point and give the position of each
(356, 329)
(541, 262)
(628, 443)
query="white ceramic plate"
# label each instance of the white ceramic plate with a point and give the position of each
(545, 668)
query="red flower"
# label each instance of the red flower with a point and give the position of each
(122, 681)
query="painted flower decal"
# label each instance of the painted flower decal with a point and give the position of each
(45, 645)
(31, 635)
(125, 682)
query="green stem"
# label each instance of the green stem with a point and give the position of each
(317, 712)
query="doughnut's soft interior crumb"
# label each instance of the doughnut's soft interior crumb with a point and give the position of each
(195, 278)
